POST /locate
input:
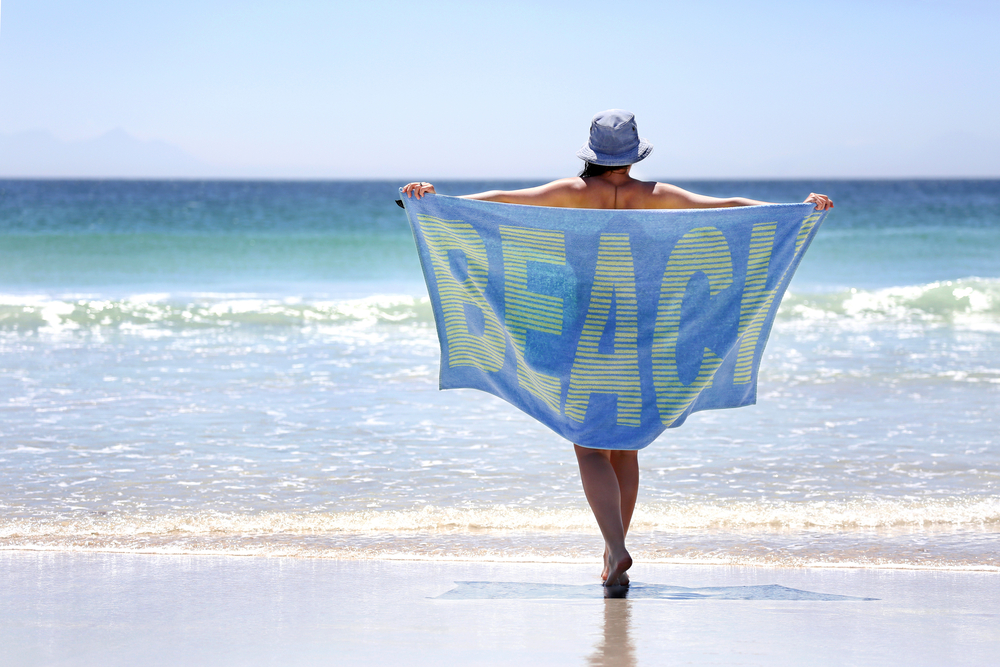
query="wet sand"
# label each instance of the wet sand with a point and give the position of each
(59, 608)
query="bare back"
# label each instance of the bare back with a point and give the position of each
(614, 190)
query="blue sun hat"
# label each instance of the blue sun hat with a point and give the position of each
(614, 140)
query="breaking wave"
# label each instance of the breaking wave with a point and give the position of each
(144, 311)
(969, 302)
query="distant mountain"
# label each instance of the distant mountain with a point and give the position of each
(36, 153)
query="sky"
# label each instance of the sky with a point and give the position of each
(425, 90)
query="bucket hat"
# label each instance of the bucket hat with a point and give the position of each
(614, 140)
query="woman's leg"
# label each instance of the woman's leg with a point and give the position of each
(611, 484)
(626, 465)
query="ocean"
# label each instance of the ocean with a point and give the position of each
(251, 368)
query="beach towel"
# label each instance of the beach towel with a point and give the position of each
(607, 326)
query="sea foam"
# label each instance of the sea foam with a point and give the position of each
(864, 532)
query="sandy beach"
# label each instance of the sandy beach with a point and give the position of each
(306, 311)
(222, 451)
(122, 609)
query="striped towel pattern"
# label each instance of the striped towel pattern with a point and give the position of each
(608, 326)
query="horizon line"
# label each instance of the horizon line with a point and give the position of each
(315, 179)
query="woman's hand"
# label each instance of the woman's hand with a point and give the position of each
(420, 189)
(822, 201)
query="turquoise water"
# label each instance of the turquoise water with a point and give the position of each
(301, 237)
(250, 367)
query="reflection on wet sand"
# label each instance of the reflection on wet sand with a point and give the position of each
(615, 648)
(513, 590)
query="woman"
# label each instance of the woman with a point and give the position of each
(610, 477)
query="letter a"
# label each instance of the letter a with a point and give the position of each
(618, 372)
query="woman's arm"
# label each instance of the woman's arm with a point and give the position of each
(562, 193)
(665, 195)
(556, 193)
(566, 192)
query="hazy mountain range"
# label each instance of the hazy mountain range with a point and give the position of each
(36, 153)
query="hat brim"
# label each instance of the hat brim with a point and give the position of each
(640, 152)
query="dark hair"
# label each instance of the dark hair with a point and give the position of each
(591, 169)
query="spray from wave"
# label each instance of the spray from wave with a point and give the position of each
(955, 512)
(882, 533)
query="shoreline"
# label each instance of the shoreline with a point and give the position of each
(117, 609)
(346, 556)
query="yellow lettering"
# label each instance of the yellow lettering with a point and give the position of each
(526, 310)
(700, 250)
(616, 373)
(486, 351)
(756, 303)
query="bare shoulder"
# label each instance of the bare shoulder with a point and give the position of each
(577, 192)
(666, 195)
(571, 184)
(562, 192)
(649, 194)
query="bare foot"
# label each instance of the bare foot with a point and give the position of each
(622, 578)
(616, 570)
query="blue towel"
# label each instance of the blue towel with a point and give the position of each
(608, 326)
